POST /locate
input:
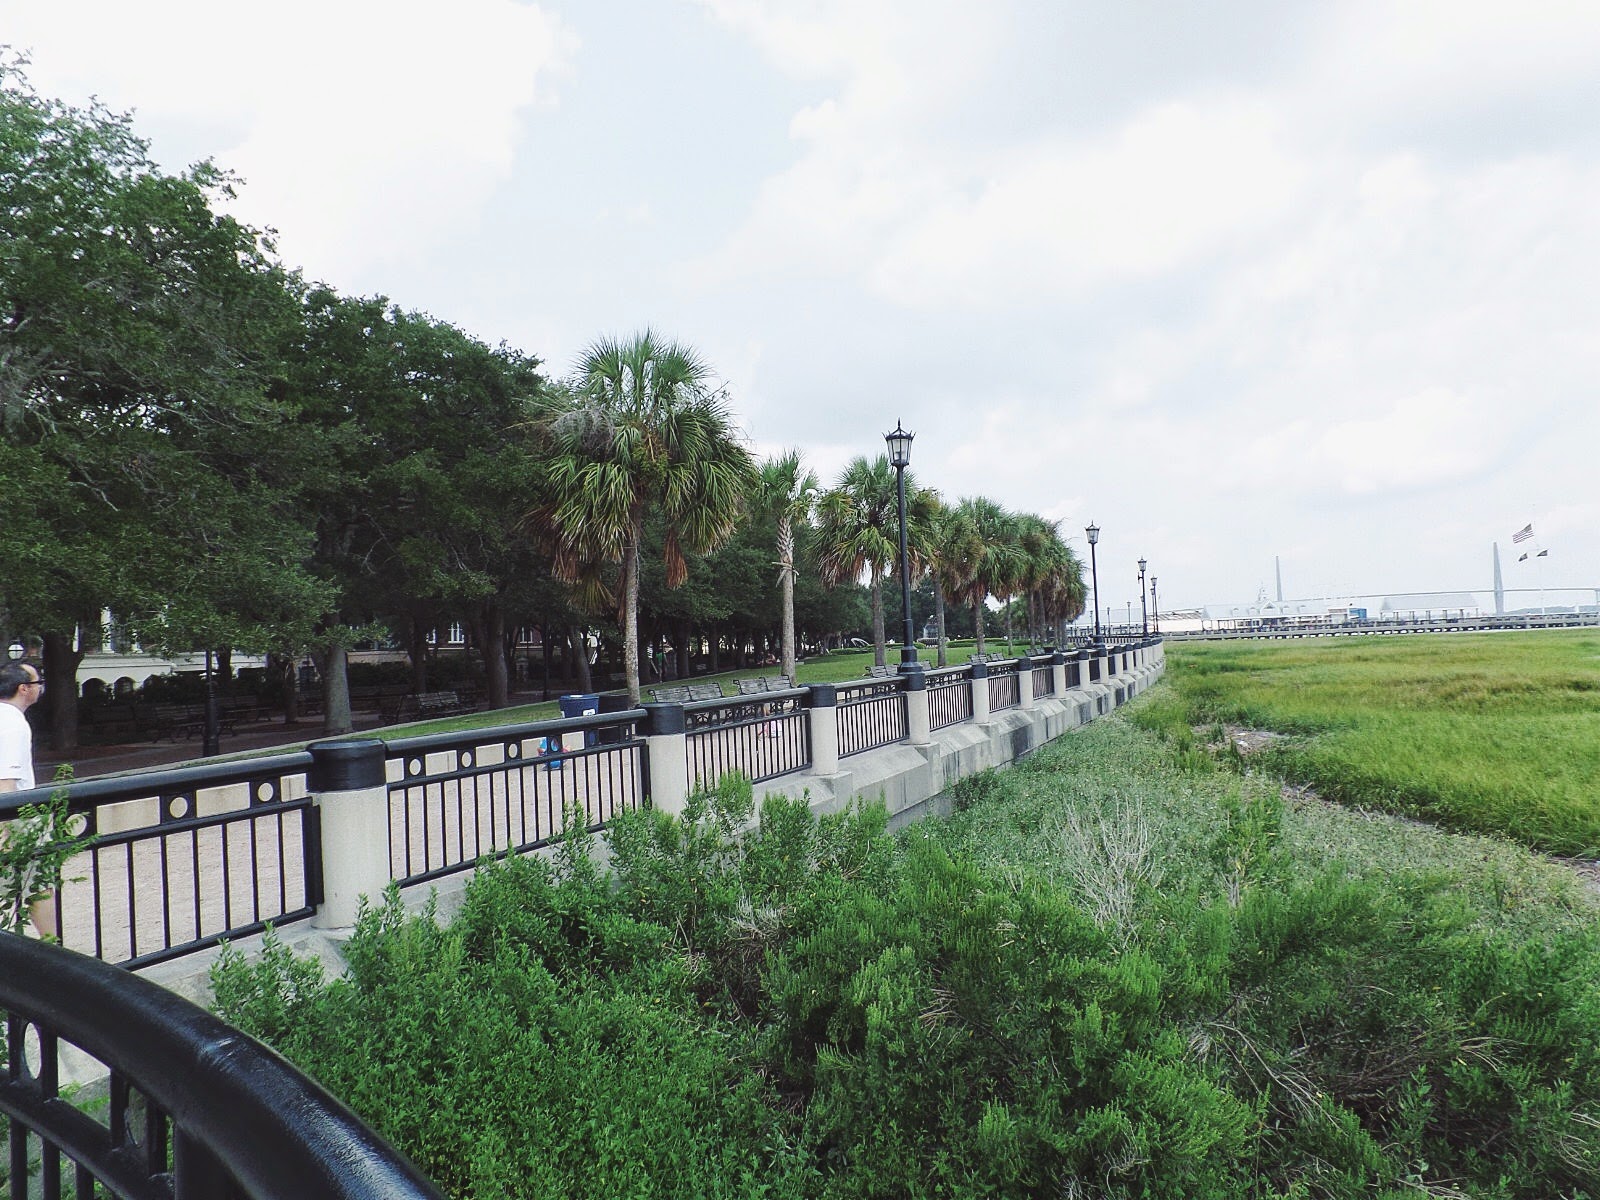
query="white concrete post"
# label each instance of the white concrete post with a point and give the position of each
(917, 722)
(980, 693)
(1024, 683)
(667, 750)
(351, 792)
(1058, 668)
(822, 710)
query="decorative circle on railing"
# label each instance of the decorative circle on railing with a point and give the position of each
(513, 750)
(464, 759)
(413, 767)
(266, 791)
(178, 806)
(32, 1057)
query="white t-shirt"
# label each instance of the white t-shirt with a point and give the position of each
(16, 746)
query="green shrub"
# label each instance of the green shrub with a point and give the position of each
(1104, 976)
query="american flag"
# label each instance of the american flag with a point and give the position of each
(1522, 534)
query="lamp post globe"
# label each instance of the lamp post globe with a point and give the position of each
(899, 443)
(1093, 532)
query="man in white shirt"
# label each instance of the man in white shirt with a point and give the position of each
(21, 685)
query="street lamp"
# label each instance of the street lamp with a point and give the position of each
(1093, 531)
(900, 456)
(1155, 609)
(1144, 612)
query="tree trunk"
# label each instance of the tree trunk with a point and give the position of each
(417, 651)
(977, 624)
(786, 570)
(281, 668)
(630, 619)
(336, 718)
(494, 655)
(880, 655)
(61, 659)
(938, 617)
(548, 651)
(580, 660)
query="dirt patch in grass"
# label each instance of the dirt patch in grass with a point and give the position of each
(1250, 741)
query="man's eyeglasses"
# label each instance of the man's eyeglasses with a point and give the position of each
(39, 682)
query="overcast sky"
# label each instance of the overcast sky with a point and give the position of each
(1233, 280)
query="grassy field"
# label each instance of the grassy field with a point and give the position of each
(1495, 733)
(836, 667)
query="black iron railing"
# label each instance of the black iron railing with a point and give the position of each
(1004, 690)
(196, 1108)
(871, 713)
(949, 696)
(457, 797)
(1044, 679)
(761, 738)
(182, 859)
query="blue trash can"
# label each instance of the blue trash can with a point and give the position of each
(580, 704)
(574, 704)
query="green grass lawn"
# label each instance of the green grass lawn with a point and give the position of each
(824, 668)
(1492, 732)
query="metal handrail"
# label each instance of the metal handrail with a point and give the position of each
(243, 1120)
(423, 742)
(85, 794)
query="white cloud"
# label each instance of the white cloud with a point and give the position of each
(362, 129)
(1176, 182)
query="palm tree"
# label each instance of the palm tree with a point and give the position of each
(858, 530)
(1064, 594)
(639, 430)
(1043, 556)
(789, 492)
(952, 547)
(992, 563)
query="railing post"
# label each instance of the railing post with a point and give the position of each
(1058, 671)
(667, 745)
(822, 710)
(980, 693)
(1025, 683)
(349, 786)
(917, 723)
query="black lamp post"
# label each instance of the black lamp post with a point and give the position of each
(1144, 611)
(900, 456)
(1155, 609)
(1093, 531)
(211, 729)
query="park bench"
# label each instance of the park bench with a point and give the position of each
(887, 671)
(240, 710)
(684, 693)
(174, 721)
(106, 724)
(438, 704)
(764, 683)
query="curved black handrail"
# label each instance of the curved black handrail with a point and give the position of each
(240, 1113)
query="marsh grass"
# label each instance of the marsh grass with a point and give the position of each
(1495, 733)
